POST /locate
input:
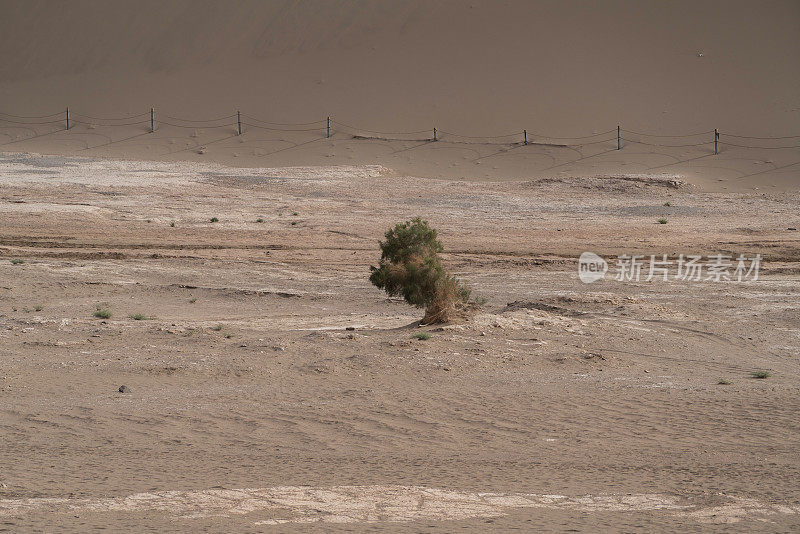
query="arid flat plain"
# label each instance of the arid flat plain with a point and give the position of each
(270, 387)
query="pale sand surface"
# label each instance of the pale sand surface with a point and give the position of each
(589, 407)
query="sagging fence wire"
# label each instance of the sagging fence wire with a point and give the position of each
(112, 119)
(2, 119)
(329, 127)
(356, 129)
(707, 132)
(251, 125)
(764, 147)
(769, 138)
(568, 138)
(95, 123)
(192, 126)
(665, 145)
(256, 119)
(218, 119)
(32, 116)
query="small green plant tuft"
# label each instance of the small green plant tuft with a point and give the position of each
(295, 213)
(662, 221)
(723, 382)
(17, 261)
(259, 220)
(172, 224)
(667, 204)
(192, 300)
(294, 223)
(102, 313)
(38, 307)
(760, 374)
(140, 317)
(214, 219)
(217, 328)
(422, 336)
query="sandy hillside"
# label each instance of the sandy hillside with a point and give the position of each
(479, 71)
(271, 388)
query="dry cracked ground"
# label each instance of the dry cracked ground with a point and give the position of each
(269, 387)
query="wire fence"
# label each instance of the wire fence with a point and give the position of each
(330, 127)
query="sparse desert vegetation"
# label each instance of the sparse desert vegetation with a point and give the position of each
(410, 267)
(314, 350)
(102, 313)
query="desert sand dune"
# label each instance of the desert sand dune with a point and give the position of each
(475, 68)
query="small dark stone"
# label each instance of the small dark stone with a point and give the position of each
(124, 389)
(350, 328)
(792, 228)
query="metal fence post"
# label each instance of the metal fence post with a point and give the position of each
(328, 128)
(619, 138)
(239, 121)
(525, 136)
(152, 120)
(434, 135)
(716, 141)
(67, 117)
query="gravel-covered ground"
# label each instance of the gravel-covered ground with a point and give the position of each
(271, 386)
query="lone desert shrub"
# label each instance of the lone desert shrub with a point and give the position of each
(410, 267)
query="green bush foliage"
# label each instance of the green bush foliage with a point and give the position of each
(410, 267)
